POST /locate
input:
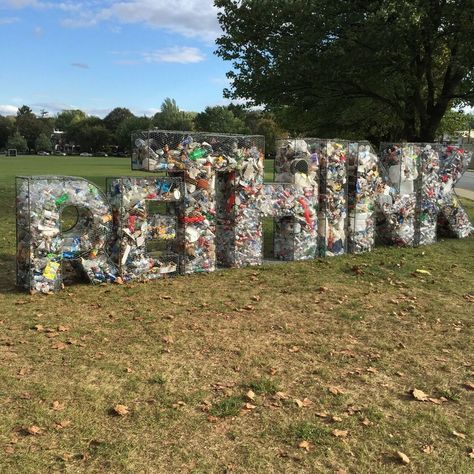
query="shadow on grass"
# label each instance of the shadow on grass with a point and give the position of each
(7, 274)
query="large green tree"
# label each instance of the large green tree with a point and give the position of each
(43, 143)
(123, 135)
(115, 117)
(28, 125)
(171, 117)
(6, 129)
(220, 119)
(391, 68)
(18, 142)
(69, 118)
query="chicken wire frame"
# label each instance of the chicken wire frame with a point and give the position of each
(148, 153)
(326, 194)
(25, 275)
(295, 155)
(399, 160)
(448, 167)
(172, 209)
(356, 237)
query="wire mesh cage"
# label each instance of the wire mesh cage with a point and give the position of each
(137, 226)
(453, 220)
(221, 169)
(399, 165)
(43, 246)
(363, 182)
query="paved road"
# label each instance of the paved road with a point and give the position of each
(467, 181)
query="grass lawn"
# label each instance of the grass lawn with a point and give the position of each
(301, 367)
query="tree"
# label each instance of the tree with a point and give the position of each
(171, 118)
(220, 119)
(6, 129)
(89, 134)
(18, 142)
(268, 127)
(123, 135)
(116, 117)
(28, 125)
(43, 143)
(402, 63)
(68, 118)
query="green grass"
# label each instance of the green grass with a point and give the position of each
(182, 353)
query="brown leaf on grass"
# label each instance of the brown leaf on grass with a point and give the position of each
(403, 457)
(23, 371)
(340, 433)
(256, 298)
(458, 435)
(62, 328)
(469, 297)
(33, 430)
(39, 327)
(336, 418)
(168, 340)
(372, 370)
(9, 450)
(471, 453)
(366, 422)
(62, 424)
(249, 406)
(322, 414)
(249, 307)
(469, 386)
(341, 471)
(212, 419)
(165, 297)
(304, 445)
(60, 346)
(282, 395)
(419, 395)
(294, 349)
(250, 395)
(121, 410)
(57, 406)
(336, 390)
(428, 449)
(323, 289)
(298, 402)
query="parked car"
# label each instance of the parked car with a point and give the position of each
(43, 153)
(101, 153)
(59, 153)
(86, 154)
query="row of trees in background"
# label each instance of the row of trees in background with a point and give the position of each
(30, 132)
(81, 133)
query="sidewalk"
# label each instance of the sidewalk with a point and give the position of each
(465, 193)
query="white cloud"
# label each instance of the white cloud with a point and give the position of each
(18, 3)
(176, 54)
(8, 109)
(9, 21)
(80, 65)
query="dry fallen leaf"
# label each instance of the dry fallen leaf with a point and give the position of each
(250, 395)
(57, 406)
(366, 422)
(59, 346)
(249, 406)
(471, 453)
(322, 414)
(469, 385)
(304, 445)
(340, 433)
(62, 328)
(419, 395)
(307, 402)
(428, 449)
(62, 424)
(336, 418)
(168, 340)
(336, 390)
(212, 419)
(121, 410)
(282, 395)
(459, 435)
(39, 327)
(33, 430)
(298, 402)
(256, 298)
(403, 457)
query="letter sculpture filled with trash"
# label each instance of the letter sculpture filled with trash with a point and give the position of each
(207, 198)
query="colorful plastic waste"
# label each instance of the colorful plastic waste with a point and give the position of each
(453, 219)
(42, 246)
(363, 182)
(135, 226)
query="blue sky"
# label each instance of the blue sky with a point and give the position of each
(99, 54)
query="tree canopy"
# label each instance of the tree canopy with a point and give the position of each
(390, 69)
